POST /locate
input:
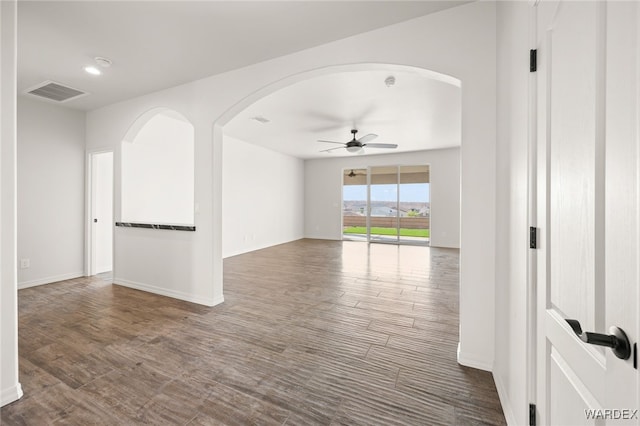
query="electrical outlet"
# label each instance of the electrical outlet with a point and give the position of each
(25, 263)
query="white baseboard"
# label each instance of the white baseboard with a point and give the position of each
(323, 237)
(259, 247)
(49, 280)
(468, 361)
(169, 293)
(11, 394)
(507, 408)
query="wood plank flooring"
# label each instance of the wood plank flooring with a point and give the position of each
(311, 332)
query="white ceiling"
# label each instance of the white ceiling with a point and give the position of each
(159, 44)
(418, 112)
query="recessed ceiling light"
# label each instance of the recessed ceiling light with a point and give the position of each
(92, 70)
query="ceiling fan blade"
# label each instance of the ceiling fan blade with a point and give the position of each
(320, 140)
(367, 138)
(381, 145)
(331, 149)
(323, 116)
(324, 128)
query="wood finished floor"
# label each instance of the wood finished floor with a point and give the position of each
(311, 332)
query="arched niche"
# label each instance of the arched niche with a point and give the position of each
(157, 169)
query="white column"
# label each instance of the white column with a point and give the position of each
(10, 389)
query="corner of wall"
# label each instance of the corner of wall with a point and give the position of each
(469, 360)
(175, 294)
(10, 388)
(505, 401)
(11, 394)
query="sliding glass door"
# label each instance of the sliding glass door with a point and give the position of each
(387, 204)
(413, 204)
(383, 204)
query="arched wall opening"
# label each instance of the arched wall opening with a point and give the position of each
(220, 138)
(459, 42)
(307, 75)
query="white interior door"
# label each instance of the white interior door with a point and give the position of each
(102, 212)
(588, 95)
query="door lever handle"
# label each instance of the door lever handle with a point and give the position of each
(617, 340)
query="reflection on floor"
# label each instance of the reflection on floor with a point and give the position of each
(311, 332)
(387, 239)
(106, 276)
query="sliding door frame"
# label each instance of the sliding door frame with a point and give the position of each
(368, 208)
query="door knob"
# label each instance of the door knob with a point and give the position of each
(617, 340)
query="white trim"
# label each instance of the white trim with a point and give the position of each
(49, 280)
(638, 182)
(507, 409)
(169, 293)
(532, 218)
(469, 361)
(11, 394)
(8, 204)
(261, 247)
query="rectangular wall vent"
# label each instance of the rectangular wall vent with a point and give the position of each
(55, 92)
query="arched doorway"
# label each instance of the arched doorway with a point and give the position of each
(246, 110)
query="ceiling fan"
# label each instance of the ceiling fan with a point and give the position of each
(353, 174)
(356, 145)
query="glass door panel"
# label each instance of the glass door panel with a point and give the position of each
(354, 204)
(383, 207)
(414, 204)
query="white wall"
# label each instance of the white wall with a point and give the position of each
(10, 388)
(51, 164)
(459, 42)
(262, 197)
(323, 192)
(510, 366)
(157, 172)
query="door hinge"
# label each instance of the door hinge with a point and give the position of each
(532, 414)
(533, 60)
(533, 237)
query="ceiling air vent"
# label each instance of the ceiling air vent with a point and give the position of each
(55, 92)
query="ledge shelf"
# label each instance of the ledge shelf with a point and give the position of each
(156, 226)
